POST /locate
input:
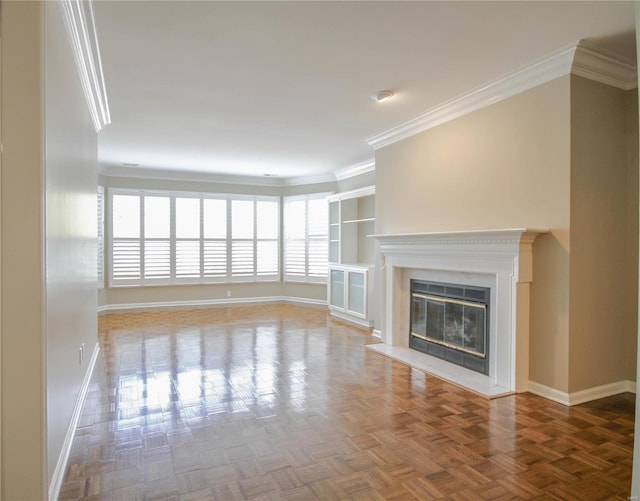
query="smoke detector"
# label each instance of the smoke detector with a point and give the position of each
(382, 95)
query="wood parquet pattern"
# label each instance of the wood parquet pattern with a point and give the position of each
(279, 402)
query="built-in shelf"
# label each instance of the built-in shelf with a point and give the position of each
(364, 220)
(351, 254)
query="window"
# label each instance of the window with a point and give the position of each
(173, 238)
(100, 239)
(306, 238)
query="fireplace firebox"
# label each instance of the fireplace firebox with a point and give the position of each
(451, 322)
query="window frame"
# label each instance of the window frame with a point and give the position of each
(173, 279)
(100, 237)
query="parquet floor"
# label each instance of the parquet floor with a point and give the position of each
(283, 402)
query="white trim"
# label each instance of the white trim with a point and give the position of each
(61, 465)
(357, 193)
(499, 259)
(208, 303)
(548, 393)
(305, 180)
(351, 319)
(575, 59)
(80, 24)
(356, 170)
(539, 72)
(377, 333)
(465, 378)
(599, 66)
(582, 396)
(108, 170)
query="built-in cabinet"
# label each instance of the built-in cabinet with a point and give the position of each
(351, 254)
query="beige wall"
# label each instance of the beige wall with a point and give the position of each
(633, 221)
(600, 316)
(633, 156)
(504, 166)
(194, 293)
(70, 222)
(23, 341)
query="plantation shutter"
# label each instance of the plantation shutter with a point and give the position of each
(188, 237)
(306, 238)
(126, 244)
(318, 234)
(215, 238)
(182, 238)
(157, 234)
(242, 241)
(267, 255)
(295, 247)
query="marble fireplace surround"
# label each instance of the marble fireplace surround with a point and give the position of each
(499, 259)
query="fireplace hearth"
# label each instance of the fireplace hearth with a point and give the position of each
(450, 321)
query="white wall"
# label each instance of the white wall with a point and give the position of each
(48, 243)
(70, 225)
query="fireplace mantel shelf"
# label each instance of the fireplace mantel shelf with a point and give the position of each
(511, 235)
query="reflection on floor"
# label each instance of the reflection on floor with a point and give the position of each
(283, 402)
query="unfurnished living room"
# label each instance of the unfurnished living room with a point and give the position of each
(318, 250)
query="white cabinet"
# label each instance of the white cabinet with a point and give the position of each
(336, 288)
(350, 292)
(351, 254)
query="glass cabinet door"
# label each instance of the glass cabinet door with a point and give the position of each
(337, 288)
(356, 292)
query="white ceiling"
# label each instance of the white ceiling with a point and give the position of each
(283, 88)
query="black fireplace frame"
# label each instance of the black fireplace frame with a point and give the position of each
(468, 293)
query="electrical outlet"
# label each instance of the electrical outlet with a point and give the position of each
(228, 293)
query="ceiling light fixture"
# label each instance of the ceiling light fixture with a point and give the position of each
(382, 95)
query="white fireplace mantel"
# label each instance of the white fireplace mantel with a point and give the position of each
(499, 259)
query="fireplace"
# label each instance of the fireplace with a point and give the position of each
(450, 322)
(497, 263)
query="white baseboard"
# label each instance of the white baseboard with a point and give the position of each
(582, 396)
(354, 320)
(210, 303)
(61, 465)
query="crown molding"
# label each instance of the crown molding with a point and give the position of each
(355, 170)
(544, 70)
(109, 170)
(589, 62)
(304, 180)
(80, 25)
(596, 64)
